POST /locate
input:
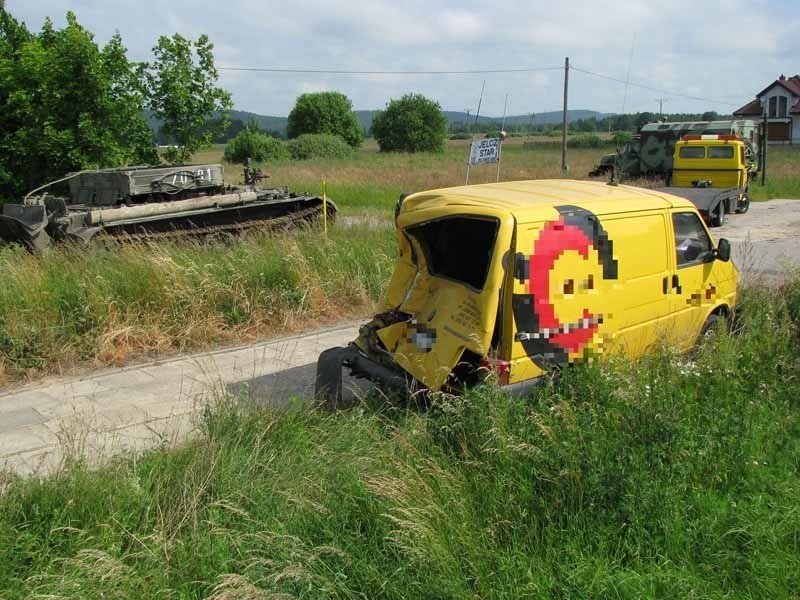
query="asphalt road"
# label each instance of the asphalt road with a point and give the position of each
(136, 407)
(766, 240)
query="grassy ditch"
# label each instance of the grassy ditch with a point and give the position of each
(673, 477)
(105, 304)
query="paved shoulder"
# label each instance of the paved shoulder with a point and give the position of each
(138, 406)
(766, 239)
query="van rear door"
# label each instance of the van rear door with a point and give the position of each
(452, 300)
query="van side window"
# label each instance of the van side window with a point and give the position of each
(692, 244)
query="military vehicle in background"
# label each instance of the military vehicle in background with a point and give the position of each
(152, 202)
(650, 152)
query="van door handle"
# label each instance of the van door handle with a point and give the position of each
(676, 283)
(665, 285)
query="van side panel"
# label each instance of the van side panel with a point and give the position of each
(565, 269)
(638, 317)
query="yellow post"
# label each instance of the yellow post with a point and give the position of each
(325, 208)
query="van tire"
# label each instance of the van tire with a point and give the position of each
(710, 328)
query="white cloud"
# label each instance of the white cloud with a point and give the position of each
(723, 50)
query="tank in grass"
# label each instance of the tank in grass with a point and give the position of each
(153, 202)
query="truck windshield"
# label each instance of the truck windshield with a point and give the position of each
(458, 248)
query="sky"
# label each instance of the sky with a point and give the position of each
(723, 51)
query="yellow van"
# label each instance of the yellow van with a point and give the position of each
(516, 278)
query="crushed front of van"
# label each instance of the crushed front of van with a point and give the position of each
(439, 321)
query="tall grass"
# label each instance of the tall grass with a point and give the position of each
(110, 301)
(371, 180)
(674, 477)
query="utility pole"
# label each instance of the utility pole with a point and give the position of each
(661, 106)
(564, 167)
(764, 143)
(468, 127)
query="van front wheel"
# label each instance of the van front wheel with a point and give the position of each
(710, 328)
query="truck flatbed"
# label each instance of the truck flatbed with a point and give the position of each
(712, 203)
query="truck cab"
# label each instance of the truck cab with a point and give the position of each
(712, 171)
(719, 161)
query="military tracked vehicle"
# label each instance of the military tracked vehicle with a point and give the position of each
(152, 202)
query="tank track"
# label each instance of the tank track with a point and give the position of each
(177, 233)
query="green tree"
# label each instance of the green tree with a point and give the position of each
(183, 93)
(325, 112)
(67, 105)
(411, 124)
(256, 145)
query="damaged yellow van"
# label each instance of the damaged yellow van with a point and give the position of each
(515, 278)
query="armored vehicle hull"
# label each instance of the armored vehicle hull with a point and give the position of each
(154, 202)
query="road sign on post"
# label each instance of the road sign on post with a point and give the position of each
(483, 151)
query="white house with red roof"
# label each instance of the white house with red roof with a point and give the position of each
(780, 100)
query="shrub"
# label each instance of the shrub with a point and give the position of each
(585, 140)
(621, 137)
(256, 145)
(319, 145)
(411, 124)
(325, 112)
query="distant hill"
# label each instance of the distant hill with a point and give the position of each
(278, 124)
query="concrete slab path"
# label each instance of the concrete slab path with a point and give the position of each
(136, 407)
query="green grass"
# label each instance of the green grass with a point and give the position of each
(674, 477)
(783, 175)
(107, 303)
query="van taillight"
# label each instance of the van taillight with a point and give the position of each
(501, 367)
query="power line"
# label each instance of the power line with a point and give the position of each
(410, 72)
(651, 88)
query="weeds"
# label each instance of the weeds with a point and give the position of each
(108, 303)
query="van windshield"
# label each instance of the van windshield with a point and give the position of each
(458, 248)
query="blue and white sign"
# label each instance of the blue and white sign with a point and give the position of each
(485, 151)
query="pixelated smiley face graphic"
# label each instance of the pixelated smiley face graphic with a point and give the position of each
(572, 258)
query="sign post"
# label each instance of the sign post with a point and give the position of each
(325, 208)
(484, 151)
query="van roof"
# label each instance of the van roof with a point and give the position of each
(523, 197)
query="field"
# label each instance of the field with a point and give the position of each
(110, 304)
(674, 477)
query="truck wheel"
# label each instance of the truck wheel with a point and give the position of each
(743, 205)
(718, 218)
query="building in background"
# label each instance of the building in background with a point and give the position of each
(780, 100)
